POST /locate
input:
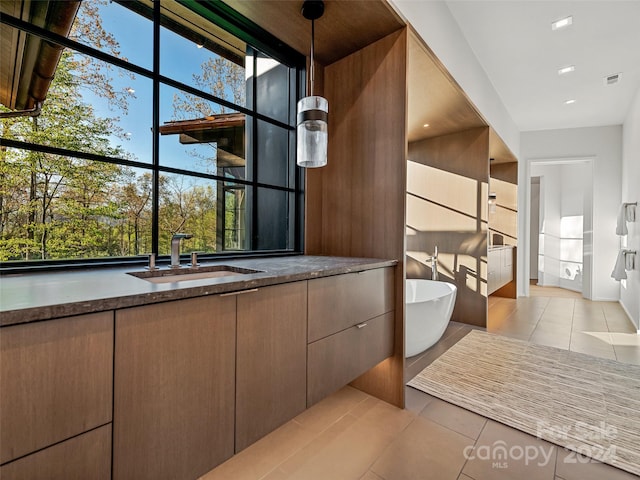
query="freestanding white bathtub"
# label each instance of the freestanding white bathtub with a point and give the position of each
(429, 308)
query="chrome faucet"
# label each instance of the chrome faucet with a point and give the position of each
(434, 264)
(175, 248)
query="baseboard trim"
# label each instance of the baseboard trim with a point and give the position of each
(629, 315)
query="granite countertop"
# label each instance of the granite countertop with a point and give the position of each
(41, 296)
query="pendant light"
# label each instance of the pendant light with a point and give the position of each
(313, 110)
(492, 202)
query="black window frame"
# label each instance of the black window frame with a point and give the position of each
(259, 40)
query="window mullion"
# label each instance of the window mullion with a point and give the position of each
(254, 155)
(155, 216)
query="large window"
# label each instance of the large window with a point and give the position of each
(126, 122)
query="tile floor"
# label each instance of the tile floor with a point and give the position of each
(351, 435)
(601, 329)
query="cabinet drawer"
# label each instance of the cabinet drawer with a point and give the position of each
(336, 360)
(55, 381)
(341, 301)
(87, 456)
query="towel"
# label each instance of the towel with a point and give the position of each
(629, 260)
(618, 271)
(630, 212)
(621, 226)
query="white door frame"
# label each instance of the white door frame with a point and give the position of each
(524, 194)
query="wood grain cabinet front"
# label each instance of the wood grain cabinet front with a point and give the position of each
(55, 381)
(341, 301)
(338, 359)
(271, 359)
(174, 389)
(351, 328)
(87, 456)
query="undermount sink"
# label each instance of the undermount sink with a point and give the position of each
(173, 275)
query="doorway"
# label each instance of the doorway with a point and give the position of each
(561, 224)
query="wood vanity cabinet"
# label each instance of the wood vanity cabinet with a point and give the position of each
(351, 328)
(174, 389)
(171, 390)
(271, 366)
(55, 384)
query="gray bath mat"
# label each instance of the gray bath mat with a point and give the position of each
(587, 404)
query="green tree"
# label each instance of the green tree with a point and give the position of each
(59, 206)
(95, 75)
(189, 206)
(53, 192)
(134, 199)
(224, 79)
(48, 200)
(219, 77)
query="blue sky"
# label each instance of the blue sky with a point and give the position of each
(180, 59)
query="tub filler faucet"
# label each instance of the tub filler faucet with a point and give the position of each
(175, 248)
(434, 264)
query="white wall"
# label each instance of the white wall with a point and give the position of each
(630, 294)
(604, 145)
(433, 21)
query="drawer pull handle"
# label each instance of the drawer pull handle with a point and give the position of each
(361, 325)
(238, 293)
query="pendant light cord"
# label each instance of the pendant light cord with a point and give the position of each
(312, 62)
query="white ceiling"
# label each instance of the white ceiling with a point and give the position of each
(521, 55)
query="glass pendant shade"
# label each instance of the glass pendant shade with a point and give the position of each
(492, 202)
(312, 131)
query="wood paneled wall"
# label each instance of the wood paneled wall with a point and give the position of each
(503, 223)
(507, 172)
(447, 194)
(356, 204)
(313, 183)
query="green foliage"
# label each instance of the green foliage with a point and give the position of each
(64, 207)
(56, 207)
(187, 206)
(219, 77)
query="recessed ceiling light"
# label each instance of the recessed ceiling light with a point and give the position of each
(199, 45)
(569, 102)
(565, 70)
(563, 22)
(425, 125)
